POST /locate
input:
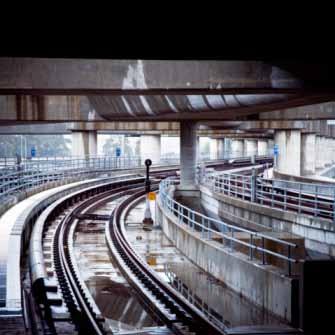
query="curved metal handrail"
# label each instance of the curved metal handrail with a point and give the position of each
(200, 222)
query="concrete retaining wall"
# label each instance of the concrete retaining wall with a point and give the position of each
(319, 234)
(260, 284)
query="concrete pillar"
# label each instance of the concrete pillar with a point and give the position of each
(237, 148)
(216, 148)
(318, 152)
(92, 143)
(308, 154)
(289, 144)
(262, 147)
(198, 149)
(330, 150)
(250, 147)
(150, 148)
(221, 148)
(270, 147)
(227, 147)
(84, 143)
(324, 153)
(213, 148)
(188, 153)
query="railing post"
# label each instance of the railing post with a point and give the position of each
(253, 185)
(285, 199)
(228, 185)
(289, 262)
(263, 252)
(299, 203)
(231, 241)
(202, 227)
(251, 251)
(316, 203)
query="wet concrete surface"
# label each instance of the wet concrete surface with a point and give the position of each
(229, 307)
(115, 298)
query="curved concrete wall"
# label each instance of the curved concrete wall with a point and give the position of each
(234, 268)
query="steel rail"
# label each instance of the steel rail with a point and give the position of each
(173, 309)
(73, 289)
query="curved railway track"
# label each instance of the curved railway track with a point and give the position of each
(167, 304)
(159, 297)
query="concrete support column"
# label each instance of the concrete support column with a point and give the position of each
(92, 143)
(221, 148)
(289, 145)
(324, 153)
(213, 148)
(318, 152)
(188, 153)
(270, 147)
(84, 143)
(198, 149)
(237, 147)
(330, 150)
(308, 154)
(216, 148)
(250, 147)
(262, 147)
(150, 146)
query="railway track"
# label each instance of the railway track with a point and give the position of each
(60, 293)
(158, 297)
(167, 304)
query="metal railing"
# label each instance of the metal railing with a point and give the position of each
(72, 162)
(304, 198)
(37, 173)
(193, 298)
(208, 227)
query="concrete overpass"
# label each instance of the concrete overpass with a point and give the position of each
(56, 89)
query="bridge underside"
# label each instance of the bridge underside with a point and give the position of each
(114, 90)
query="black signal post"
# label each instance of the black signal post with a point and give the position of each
(147, 180)
(147, 213)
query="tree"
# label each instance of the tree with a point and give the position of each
(45, 145)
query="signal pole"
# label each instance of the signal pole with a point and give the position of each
(147, 213)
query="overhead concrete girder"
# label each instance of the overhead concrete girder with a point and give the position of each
(166, 90)
(47, 108)
(111, 76)
(134, 128)
(320, 111)
(317, 126)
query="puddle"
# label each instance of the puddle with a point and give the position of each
(118, 304)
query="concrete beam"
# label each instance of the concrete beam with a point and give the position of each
(320, 111)
(142, 90)
(110, 76)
